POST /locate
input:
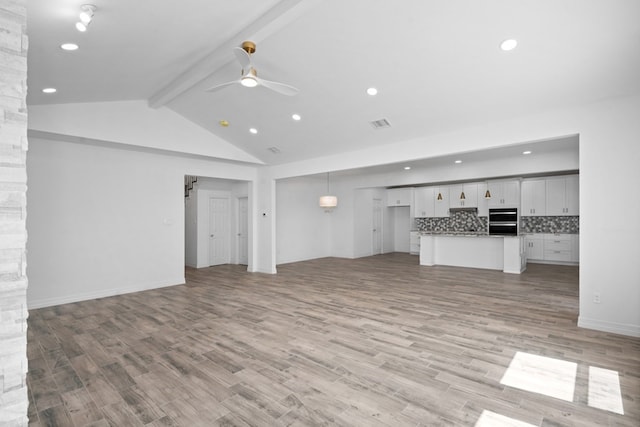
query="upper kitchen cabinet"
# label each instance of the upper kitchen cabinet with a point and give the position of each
(562, 196)
(463, 196)
(533, 197)
(400, 197)
(504, 194)
(424, 202)
(441, 196)
(483, 201)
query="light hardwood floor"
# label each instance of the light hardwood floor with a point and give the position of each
(377, 341)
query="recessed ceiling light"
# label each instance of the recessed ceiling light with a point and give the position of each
(457, 162)
(69, 46)
(296, 117)
(253, 131)
(224, 123)
(50, 90)
(372, 91)
(407, 168)
(509, 44)
(526, 152)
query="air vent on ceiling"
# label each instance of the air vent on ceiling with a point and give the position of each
(380, 124)
(274, 150)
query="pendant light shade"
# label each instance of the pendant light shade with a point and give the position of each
(328, 202)
(462, 196)
(439, 196)
(487, 195)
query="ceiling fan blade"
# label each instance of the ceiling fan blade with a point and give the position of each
(243, 58)
(222, 86)
(278, 87)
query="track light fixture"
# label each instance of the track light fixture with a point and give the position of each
(86, 16)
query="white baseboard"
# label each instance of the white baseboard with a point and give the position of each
(101, 293)
(613, 327)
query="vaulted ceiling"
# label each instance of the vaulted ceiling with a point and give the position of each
(437, 65)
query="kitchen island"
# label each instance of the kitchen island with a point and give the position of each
(505, 253)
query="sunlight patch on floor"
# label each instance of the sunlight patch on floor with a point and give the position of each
(491, 419)
(604, 390)
(542, 375)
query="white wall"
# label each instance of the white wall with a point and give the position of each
(104, 221)
(303, 228)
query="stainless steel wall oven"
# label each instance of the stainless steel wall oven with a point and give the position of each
(503, 222)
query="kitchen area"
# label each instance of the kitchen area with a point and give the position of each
(499, 224)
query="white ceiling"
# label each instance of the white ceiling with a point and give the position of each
(436, 64)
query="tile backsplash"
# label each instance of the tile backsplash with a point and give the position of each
(550, 224)
(471, 222)
(458, 222)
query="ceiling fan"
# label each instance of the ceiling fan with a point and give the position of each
(249, 76)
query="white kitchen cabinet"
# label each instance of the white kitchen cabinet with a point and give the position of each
(533, 197)
(558, 247)
(555, 248)
(504, 194)
(470, 192)
(414, 243)
(534, 245)
(441, 204)
(572, 186)
(424, 202)
(399, 197)
(562, 196)
(483, 202)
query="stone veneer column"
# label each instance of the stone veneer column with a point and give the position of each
(14, 402)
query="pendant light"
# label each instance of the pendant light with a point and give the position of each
(328, 202)
(487, 194)
(439, 198)
(462, 196)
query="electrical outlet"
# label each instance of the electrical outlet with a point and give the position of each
(596, 297)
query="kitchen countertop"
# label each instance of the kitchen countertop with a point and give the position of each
(456, 233)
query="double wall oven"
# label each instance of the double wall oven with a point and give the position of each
(503, 221)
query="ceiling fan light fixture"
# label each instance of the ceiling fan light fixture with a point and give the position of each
(249, 81)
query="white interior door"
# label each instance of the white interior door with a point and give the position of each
(218, 231)
(243, 227)
(376, 239)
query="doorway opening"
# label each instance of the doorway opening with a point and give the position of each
(216, 222)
